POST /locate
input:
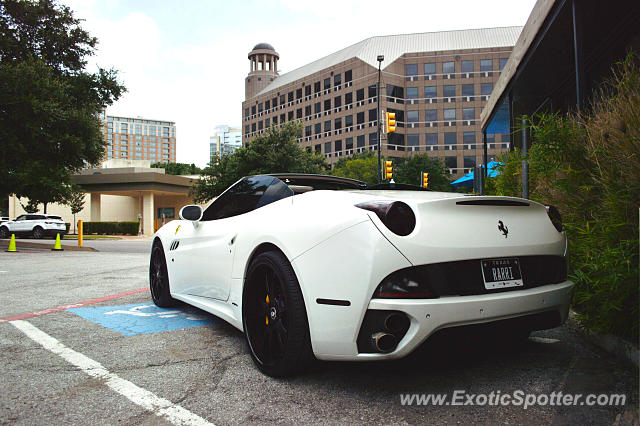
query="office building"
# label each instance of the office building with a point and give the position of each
(437, 84)
(139, 139)
(225, 140)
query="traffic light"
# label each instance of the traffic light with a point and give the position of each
(391, 122)
(388, 170)
(425, 180)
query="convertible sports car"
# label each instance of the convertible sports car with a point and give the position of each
(319, 266)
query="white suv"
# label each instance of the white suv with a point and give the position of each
(36, 225)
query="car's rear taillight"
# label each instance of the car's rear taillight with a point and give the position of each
(555, 217)
(405, 284)
(396, 215)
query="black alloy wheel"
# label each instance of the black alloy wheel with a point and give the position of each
(4, 232)
(275, 318)
(159, 278)
(38, 233)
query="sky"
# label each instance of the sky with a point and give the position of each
(186, 61)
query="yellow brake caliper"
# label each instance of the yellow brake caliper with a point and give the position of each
(266, 317)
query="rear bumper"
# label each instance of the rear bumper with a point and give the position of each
(430, 315)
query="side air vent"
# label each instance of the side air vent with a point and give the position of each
(510, 203)
(174, 245)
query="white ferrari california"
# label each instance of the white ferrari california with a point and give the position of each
(311, 266)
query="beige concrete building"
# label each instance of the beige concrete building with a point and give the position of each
(122, 194)
(436, 83)
(139, 139)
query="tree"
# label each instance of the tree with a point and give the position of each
(75, 201)
(410, 170)
(362, 167)
(49, 119)
(276, 152)
(178, 168)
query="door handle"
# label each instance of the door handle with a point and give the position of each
(232, 240)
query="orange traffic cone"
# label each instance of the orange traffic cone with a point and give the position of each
(57, 246)
(12, 244)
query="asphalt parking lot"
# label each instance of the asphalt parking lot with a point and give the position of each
(82, 343)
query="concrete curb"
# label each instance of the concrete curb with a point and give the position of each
(612, 344)
(43, 245)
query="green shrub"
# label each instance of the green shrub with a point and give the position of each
(588, 165)
(110, 228)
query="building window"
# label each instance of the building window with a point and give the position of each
(307, 90)
(246, 114)
(360, 117)
(450, 138)
(338, 146)
(469, 137)
(360, 141)
(373, 138)
(359, 94)
(411, 69)
(267, 105)
(468, 113)
(290, 96)
(448, 91)
(467, 66)
(259, 108)
(317, 107)
(347, 76)
(327, 147)
(337, 79)
(348, 121)
(275, 119)
(373, 114)
(448, 67)
(317, 128)
(327, 104)
(318, 147)
(486, 88)
(348, 98)
(432, 138)
(274, 101)
(282, 99)
(267, 122)
(486, 65)
(349, 143)
(338, 123)
(290, 116)
(412, 93)
(337, 101)
(299, 93)
(430, 68)
(413, 141)
(503, 62)
(307, 110)
(467, 90)
(449, 114)
(469, 162)
(299, 113)
(430, 92)
(412, 116)
(372, 91)
(327, 83)
(316, 87)
(327, 126)
(396, 92)
(431, 115)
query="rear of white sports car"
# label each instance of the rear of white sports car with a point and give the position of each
(420, 262)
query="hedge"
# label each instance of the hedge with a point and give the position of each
(110, 228)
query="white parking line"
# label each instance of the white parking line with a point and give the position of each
(543, 339)
(142, 397)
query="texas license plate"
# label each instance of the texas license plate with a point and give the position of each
(501, 273)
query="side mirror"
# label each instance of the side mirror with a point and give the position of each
(191, 212)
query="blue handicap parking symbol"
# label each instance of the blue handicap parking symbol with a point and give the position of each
(143, 318)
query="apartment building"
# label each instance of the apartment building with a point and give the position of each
(437, 84)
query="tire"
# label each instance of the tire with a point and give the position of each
(274, 317)
(159, 278)
(4, 232)
(37, 233)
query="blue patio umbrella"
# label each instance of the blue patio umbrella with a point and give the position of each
(467, 180)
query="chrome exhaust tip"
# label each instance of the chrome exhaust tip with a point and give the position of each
(384, 342)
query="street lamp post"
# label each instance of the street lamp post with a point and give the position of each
(380, 59)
